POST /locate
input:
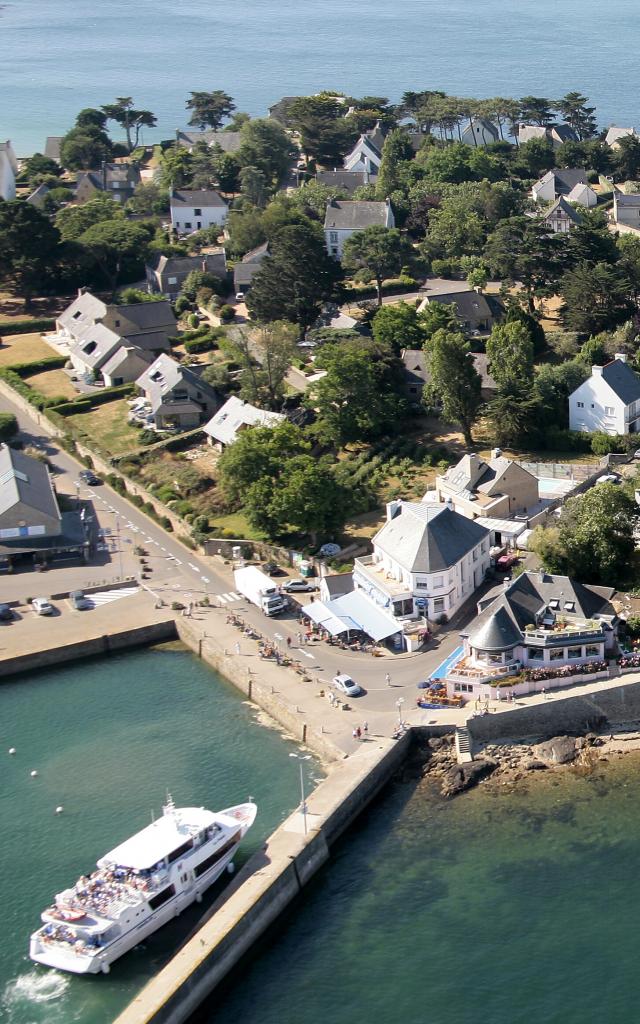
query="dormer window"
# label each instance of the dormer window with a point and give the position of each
(569, 606)
(89, 348)
(156, 377)
(554, 604)
(77, 315)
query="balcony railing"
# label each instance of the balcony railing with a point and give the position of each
(482, 674)
(565, 632)
(376, 574)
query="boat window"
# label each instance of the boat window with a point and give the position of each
(162, 897)
(180, 850)
(208, 862)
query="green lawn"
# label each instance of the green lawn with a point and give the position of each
(238, 524)
(23, 348)
(107, 428)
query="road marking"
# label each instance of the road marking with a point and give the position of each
(236, 597)
(222, 598)
(278, 636)
(192, 566)
(164, 549)
(205, 580)
(176, 560)
(307, 654)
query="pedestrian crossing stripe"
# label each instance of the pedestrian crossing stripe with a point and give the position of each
(106, 596)
(229, 596)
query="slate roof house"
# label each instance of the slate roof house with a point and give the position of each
(177, 396)
(347, 181)
(558, 182)
(234, 416)
(228, 142)
(556, 134)
(476, 312)
(167, 274)
(561, 217)
(346, 216)
(495, 487)
(479, 131)
(542, 622)
(118, 180)
(52, 147)
(246, 268)
(427, 560)
(366, 155)
(147, 325)
(196, 209)
(28, 505)
(626, 209)
(615, 134)
(416, 374)
(609, 401)
(8, 171)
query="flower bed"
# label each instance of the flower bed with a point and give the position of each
(629, 661)
(536, 675)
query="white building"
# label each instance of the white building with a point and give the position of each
(615, 134)
(344, 217)
(8, 171)
(583, 195)
(366, 155)
(236, 415)
(609, 401)
(195, 210)
(626, 209)
(427, 560)
(479, 132)
(549, 626)
(557, 182)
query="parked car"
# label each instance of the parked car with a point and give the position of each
(239, 296)
(78, 600)
(6, 614)
(346, 685)
(41, 606)
(89, 477)
(505, 562)
(608, 478)
(273, 569)
(298, 587)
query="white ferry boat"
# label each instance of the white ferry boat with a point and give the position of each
(138, 887)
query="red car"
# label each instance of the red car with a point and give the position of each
(505, 562)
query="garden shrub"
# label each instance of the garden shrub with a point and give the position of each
(28, 326)
(226, 313)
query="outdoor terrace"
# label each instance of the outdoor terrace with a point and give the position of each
(587, 630)
(465, 672)
(376, 573)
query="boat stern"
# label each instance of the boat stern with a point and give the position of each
(53, 954)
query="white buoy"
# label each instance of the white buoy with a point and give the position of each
(34, 774)
(59, 809)
(231, 867)
(12, 750)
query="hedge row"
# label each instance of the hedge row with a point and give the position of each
(38, 366)
(87, 402)
(394, 286)
(32, 396)
(28, 327)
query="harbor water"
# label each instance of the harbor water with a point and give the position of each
(500, 907)
(108, 738)
(58, 57)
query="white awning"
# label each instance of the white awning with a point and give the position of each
(354, 611)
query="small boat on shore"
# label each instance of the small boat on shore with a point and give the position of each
(139, 886)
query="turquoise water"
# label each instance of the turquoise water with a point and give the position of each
(57, 57)
(108, 738)
(495, 908)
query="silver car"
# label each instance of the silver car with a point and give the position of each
(346, 685)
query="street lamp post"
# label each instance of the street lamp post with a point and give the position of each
(119, 543)
(399, 703)
(303, 806)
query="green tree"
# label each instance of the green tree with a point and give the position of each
(454, 381)
(29, 249)
(92, 119)
(515, 415)
(594, 541)
(253, 186)
(309, 498)
(398, 326)
(284, 288)
(533, 158)
(578, 114)
(515, 312)
(197, 279)
(73, 221)
(626, 159)
(149, 200)
(510, 355)
(376, 249)
(226, 170)
(38, 167)
(84, 148)
(119, 249)
(535, 110)
(396, 150)
(521, 249)
(265, 357)
(554, 384)
(133, 121)
(595, 298)
(176, 168)
(357, 398)
(8, 426)
(258, 453)
(209, 109)
(265, 145)
(438, 316)
(325, 135)
(245, 230)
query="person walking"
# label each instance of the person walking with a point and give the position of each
(387, 679)
(237, 647)
(354, 734)
(365, 728)
(289, 641)
(358, 732)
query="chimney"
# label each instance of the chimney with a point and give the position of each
(449, 504)
(622, 356)
(393, 509)
(596, 371)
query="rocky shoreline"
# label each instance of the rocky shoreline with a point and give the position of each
(510, 762)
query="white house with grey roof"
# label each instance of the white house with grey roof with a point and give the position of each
(8, 171)
(177, 396)
(555, 134)
(427, 560)
(476, 312)
(495, 487)
(366, 155)
(196, 209)
(346, 216)
(561, 217)
(626, 209)
(234, 416)
(228, 142)
(557, 182)
(28, 504)
(245, 269)
(147, 325)
(552, 627)
(609, 401)
(479, 131)
(615, 134)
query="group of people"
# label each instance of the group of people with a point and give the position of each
(360, 732)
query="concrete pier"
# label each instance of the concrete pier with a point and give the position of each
(266, 886)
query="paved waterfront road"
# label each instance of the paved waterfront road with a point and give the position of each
(179, 574)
